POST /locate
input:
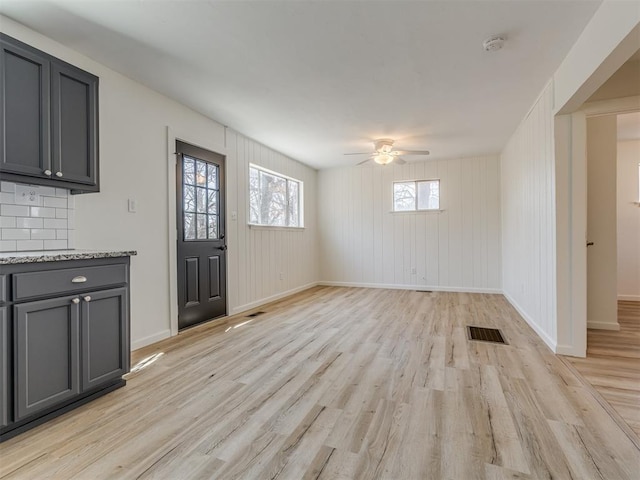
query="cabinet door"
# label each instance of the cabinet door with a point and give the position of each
(105, 336)
(4, 368)
(47, 344)
(24, 108)
(74, 107)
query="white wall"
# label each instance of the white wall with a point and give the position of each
(259, 255)
(528, 219)
(602, 308)
(363, 243)
(133, 164)
(628, 221)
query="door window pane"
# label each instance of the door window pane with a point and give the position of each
(201, 193)
(188, 169)
(189, 226)
(201, 230)
(213, 226)
(189, 194)
(212, 176)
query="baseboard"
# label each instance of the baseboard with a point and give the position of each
(541, 333)
(629, 298)
(391, 286)
(156, 337)
(272, 298)
(604, 325)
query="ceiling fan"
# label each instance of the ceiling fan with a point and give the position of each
(384, 153)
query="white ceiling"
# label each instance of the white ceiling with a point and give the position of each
(316, 79)
(629, 126)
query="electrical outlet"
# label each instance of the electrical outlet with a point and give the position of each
(281, 276)
(27, 195)
(132, 205)
(414, 271)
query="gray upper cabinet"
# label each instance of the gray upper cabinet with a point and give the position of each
(49, 122)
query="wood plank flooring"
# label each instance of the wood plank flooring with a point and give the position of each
(612, 365)
(340, 383)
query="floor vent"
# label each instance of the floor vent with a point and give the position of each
(255, 314)
(424, 291)
(481, 334)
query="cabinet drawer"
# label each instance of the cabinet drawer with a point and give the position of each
(69, 280)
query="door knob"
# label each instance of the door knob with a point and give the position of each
(223, 247)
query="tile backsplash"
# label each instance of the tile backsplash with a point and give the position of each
(35, 218)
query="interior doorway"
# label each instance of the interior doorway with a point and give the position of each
(201, 247)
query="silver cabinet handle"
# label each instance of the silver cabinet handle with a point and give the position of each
(87, 298)
(79, 279)
(47, 173)
(75, 300)
(58, 174)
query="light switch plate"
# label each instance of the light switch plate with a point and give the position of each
(27, 195)
(234, 216)
(132, 205)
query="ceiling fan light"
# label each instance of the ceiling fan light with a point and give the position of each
(383, 158)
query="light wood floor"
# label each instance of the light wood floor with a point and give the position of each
(338, 383)
(612, 365)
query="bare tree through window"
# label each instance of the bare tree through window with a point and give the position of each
(273, 199)
(416, 195)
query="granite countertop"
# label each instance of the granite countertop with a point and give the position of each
(10, 258)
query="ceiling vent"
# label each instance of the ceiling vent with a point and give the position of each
(494, 43)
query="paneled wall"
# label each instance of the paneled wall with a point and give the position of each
(364, 243)
(267, 262)
(528, 219)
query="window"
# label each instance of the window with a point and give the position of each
(416, 195)
(274, 200)
(200, 199)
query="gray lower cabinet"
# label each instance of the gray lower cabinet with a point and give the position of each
(48, 119)
(4, 368)
(105, 337)
(64, 337)
(47, 352)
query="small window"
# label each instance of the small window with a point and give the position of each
(274, 200)
(416, 195)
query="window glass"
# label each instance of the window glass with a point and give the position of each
(416, 195)
(274, 200)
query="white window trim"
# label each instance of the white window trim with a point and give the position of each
(260, 226)
(417, 210)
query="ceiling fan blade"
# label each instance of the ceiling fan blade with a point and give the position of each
(360, 153)
(411, 152)
(399, 161)
(364, 161)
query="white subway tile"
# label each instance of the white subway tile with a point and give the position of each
(62, 234)
(15, 234)
(71, 202)
(55, 223)
(26, 245)
(61, 213)
(7, 198)
(55, 202)
(55, 244)
(45, 212)
(14, 210)
(62, 192)
(27, 222)
(47, 191)
(8, 187)
(7, 246)
(42, 234)
(7, 222)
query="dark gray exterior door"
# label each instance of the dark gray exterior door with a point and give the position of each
(24, 111)
(74, 104)
(105, 337)
(46, 369)
(201, 249)
(4, 366)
